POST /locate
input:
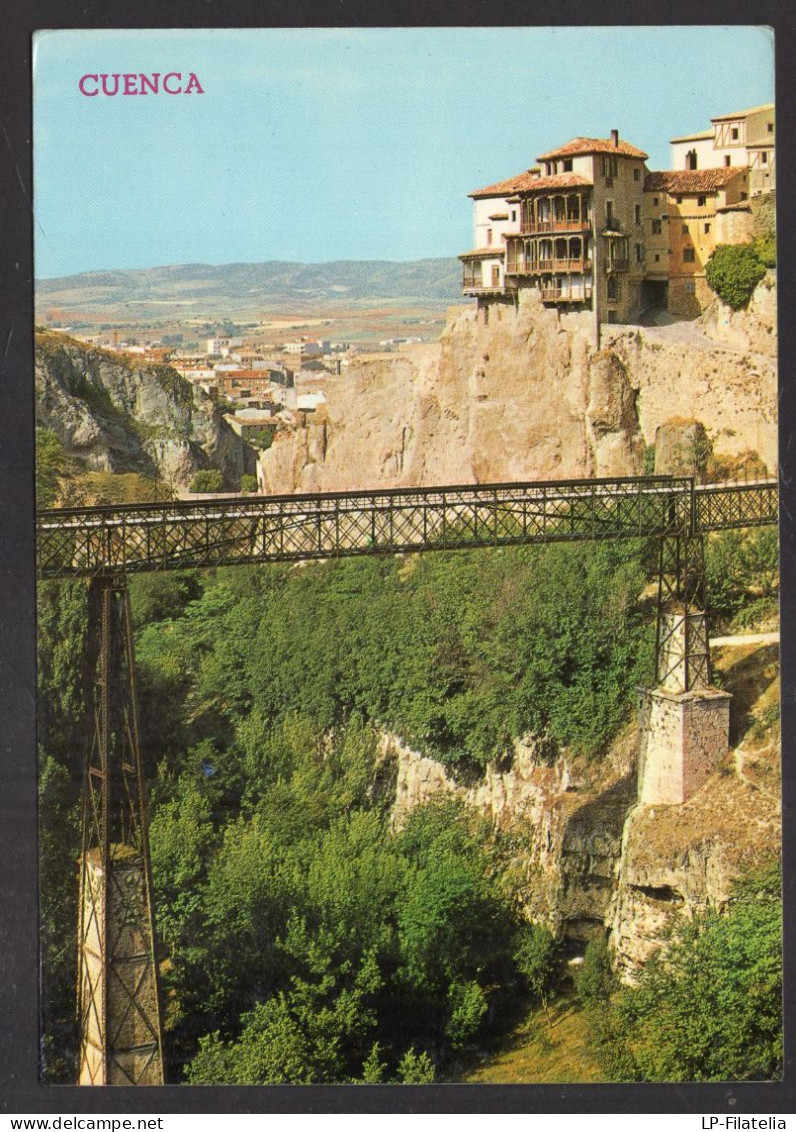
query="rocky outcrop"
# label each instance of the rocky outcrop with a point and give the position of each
(567, 814)
(113, 416)
(593, 861)
(753, 328)
(520, 392)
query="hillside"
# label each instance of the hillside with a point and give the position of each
(110, 415)
(274, 283)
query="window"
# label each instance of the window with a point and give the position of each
(685, 229)
(638, 213)
(612, 316)
(489, 235)
(639, 253)
(690, 287)
(567, 164)
(679, 200)
(727, 160)
(609, 213)
(657, 228)
(691, 159)
(657, 258)
(655, 202)
(612, 288)
(764, 159)
(734, 133)
(513, 215)
(707, 229)
(743, 196)
(770, 127)
(636, 174)
(701, 202)
(688, 255)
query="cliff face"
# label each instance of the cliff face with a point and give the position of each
(521, 393)
(594, 862)
(115, 417)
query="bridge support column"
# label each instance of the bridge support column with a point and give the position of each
(117, 985)
(684, 722)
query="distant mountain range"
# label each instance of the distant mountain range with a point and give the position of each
(271, 284)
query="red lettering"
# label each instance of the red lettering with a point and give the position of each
(193, 85)
(82, 86)
(172, 75)
(153, 82)
(105, 90)
(129, 84)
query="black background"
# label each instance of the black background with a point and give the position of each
(20, 1091)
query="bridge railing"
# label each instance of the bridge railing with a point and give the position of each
(170, 536)
(746, 503)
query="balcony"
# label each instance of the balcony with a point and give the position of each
(615, 265)
(576, 266)
(559, 295)
(534, 227)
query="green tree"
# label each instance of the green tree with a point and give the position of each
(248, 483)
(208, 480)
(733, 271)
(49, 466)
(536, 958)
(709, 1006)
(595, 981)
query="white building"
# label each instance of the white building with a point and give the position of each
(745, 138)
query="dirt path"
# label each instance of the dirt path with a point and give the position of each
(745, 639)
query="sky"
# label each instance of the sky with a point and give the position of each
(313, 145)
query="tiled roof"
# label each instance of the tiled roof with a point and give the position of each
(691, 180)
(692, 137)
(527, 181)
(593, 145)
(496, 252)
(743, 113)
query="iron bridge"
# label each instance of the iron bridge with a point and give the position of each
(237, 530)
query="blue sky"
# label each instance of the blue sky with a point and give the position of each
(322, 144)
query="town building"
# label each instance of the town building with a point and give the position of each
(592, 229)
(745, 139)
(573, 227)
(688, 213)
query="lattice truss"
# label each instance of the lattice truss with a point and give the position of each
(189, 535)
(117, 993)
(682, 651)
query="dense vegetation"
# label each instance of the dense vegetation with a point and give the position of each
(734, 270)
(708, 1007)
(303, 938)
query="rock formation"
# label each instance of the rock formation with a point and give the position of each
(522, 393)
(114, 416)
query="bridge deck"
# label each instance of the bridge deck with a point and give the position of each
(246, 529)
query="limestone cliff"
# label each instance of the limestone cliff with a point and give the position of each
(521, 393)
(114, 416)
(595, 862)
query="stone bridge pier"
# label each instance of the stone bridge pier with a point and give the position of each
(684, 722)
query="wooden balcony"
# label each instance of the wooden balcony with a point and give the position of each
(615, 265)
(534, 227)
(558, 295)
(576, 266)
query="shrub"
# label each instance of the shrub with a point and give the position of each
(595, 981)
(248, 483)
(733, 272)
(208, 480)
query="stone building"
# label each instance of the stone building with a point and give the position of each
(573, 227)
(594, 231)
(688, 214)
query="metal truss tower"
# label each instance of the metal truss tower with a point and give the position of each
(118, 998)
